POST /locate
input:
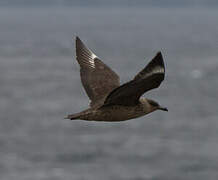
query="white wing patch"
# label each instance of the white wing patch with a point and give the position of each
(92, 60)
(158, 69)
(155, 70)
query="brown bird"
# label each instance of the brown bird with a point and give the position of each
(111, 101)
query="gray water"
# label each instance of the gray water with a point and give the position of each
(40, 84)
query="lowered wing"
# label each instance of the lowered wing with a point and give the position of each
(149, 78)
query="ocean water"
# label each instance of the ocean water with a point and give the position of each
(40, 84)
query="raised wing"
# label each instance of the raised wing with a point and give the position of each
(97, 78)
(149, 78)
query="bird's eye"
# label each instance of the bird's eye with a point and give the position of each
(153, 103)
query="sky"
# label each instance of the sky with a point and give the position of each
(158, 3)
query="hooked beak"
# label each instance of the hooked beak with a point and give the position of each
(162, 108)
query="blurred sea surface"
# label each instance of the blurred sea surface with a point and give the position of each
(40, 84)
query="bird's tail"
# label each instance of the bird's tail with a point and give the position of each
(73, 116)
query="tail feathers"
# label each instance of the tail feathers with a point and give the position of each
(73, 116)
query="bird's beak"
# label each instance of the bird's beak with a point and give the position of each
(162, 108)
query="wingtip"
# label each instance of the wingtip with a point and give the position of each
(79, 42)
(159, 58)
(77, 38)
(159, 53)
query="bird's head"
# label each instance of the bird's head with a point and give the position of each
(155, 106)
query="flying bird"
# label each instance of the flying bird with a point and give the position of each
(111, 101)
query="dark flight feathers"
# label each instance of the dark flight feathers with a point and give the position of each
(97, 78)
(149, 78)
(102, 84)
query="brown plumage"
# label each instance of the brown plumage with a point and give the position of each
(109, 100)
(97, 78)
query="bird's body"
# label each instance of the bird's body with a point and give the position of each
(115, 113)
(111, 101)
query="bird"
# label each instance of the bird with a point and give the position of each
(110, 101)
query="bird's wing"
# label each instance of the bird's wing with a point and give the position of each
(149, 78)
(97, 78)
